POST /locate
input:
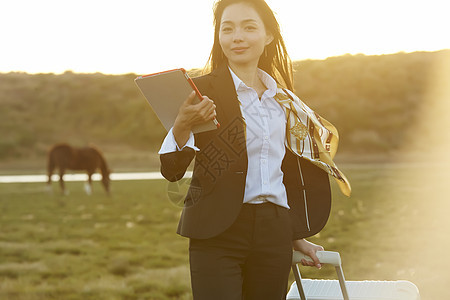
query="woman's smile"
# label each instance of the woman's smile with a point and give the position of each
(239, 50)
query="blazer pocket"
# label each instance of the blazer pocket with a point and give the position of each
(198, 189)
(193, 196)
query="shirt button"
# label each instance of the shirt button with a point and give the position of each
(263, 161)
(266, 137)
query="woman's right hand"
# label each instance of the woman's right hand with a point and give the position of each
(191, 114)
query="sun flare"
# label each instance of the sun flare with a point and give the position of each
(150, 36)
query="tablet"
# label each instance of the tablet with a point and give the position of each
(166, 91)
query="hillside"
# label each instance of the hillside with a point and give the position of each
(372, 100)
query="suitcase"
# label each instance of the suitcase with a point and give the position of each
(314, 289)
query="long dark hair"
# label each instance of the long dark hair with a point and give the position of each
(275, 60)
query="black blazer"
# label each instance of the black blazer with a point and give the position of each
(216, 191)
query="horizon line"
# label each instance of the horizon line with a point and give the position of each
(201, 68)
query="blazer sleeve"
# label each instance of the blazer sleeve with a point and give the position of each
(174, 164)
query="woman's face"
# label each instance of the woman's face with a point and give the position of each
(242, 35)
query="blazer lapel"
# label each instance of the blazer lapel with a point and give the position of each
(225, 94)
(232, 126)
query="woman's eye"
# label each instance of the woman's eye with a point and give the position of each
(226, 29)
(250, 28)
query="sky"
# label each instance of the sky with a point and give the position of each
(147, 36)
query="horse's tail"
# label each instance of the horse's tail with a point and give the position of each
(51, 164)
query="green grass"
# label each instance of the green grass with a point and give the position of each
(98, 247)
(395, 226)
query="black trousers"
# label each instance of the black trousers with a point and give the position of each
(251, 260)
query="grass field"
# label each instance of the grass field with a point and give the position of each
(395, 226)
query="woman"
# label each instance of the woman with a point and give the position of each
(253, 195)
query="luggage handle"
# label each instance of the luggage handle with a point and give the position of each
(325, 257)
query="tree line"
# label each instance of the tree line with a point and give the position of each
(372, 100)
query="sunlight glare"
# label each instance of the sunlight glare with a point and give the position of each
(426, 187)
(142, 36)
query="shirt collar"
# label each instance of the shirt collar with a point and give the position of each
(266, 79)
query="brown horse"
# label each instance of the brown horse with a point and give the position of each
(64, 157)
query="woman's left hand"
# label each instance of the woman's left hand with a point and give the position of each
(309, 249)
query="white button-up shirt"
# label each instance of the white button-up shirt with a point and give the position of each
(265, 135)
(265, 122)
